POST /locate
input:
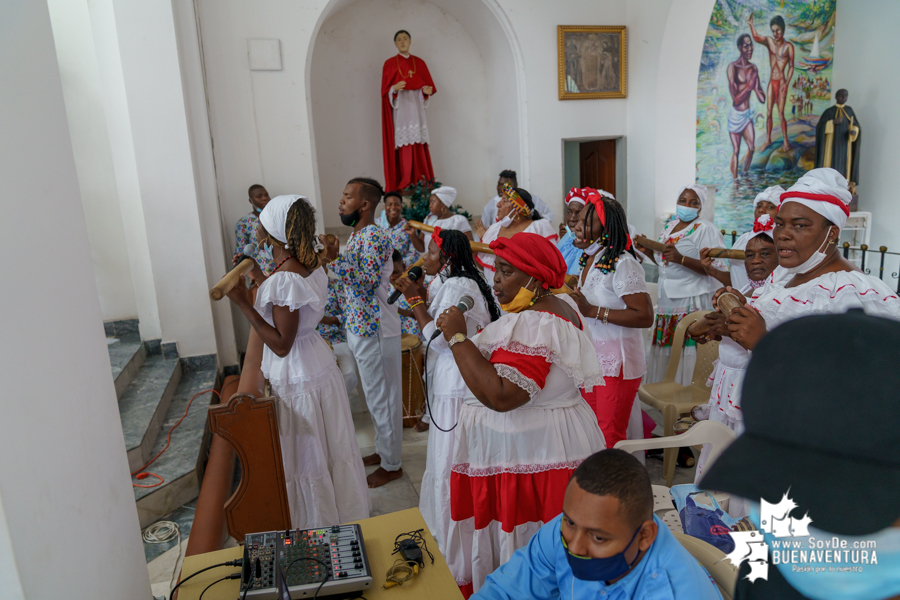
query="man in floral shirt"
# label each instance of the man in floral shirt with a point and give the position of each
(373, 325)
(245, 232)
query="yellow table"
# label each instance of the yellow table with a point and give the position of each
(434, 581)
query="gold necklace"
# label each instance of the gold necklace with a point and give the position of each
(411, 73)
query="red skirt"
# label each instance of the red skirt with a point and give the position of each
(612, 404)
(413, 163)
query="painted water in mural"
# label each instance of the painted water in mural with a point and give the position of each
(763, 61)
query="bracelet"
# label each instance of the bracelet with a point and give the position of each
(605, 316)
(416, 299)
(419, 303)
(682, 260)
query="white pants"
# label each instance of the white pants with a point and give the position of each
(380, 370)
(347, 365)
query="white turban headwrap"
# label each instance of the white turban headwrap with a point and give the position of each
(698, 189)
(824, 191)
(445, 194)
(770, 194)
(764, 225)
(274, 216)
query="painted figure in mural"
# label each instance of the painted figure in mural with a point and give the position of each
(837, 140)
(743, 82)
(781, 58)
(406, 88)
(590, 65)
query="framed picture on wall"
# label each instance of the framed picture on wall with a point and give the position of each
(592, 62)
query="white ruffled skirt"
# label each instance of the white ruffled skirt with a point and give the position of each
(323, 470)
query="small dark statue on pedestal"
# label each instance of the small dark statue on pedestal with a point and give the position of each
(837, 140)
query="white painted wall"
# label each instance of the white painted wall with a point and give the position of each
(864, 47)
(93, 159)
(67, 496)
(157, 108)
(121, 143)
(676, 101)
(345, 81)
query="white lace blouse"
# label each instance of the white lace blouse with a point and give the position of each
(618, 348)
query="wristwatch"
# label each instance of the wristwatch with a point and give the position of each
(457, 338)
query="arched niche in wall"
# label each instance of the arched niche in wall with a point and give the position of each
(475, 121)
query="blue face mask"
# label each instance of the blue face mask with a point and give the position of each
(600, 569)
(880, 580)
(686, 213)
(568, 230)
(267, 251)
(258, 209)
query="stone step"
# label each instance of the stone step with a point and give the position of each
(144, 405)
(181, 465)
(126, 355)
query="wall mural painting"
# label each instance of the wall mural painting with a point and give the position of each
(765, 76)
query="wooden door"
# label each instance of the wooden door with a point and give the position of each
(598, 165)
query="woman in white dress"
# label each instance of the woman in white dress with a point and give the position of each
(524, 426)
(613, 297)
(441, 216)
(323, 470)
(516, 214)
(727, 378)
(815, 278)
(684, 285)
(449, 260)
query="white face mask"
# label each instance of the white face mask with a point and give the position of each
(507, 220)
(593, 249)
(813, 261)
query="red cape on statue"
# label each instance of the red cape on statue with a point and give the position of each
(404, 166)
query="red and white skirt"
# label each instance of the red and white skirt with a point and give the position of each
(509, 476)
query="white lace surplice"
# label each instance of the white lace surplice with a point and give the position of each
(617, 347)
(409, 117)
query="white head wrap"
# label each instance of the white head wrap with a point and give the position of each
(698, 189)
(770, 194)
(446, 194)
(824, 191)
(274, 216)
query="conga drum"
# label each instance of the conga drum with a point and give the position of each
(413, 374)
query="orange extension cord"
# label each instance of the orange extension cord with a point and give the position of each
(140, 474)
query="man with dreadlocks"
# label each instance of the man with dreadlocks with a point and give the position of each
(323, 471)
(455, 276)
(373, 325)
(613, 296)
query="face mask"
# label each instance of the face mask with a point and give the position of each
(524, 298)
(813, 261)
(686, 213)
(568, 230)
(507, 220)
(258, 209)
(350, 220)
(600, 569)
(876, 581)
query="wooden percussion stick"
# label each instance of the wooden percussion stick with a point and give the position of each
(231, 278)
(727, 303)
(476, 246)
(648, 243)
(723, 253)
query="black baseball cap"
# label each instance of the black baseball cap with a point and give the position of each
(821, 404)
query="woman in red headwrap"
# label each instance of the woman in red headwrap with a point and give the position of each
(612, 295)
(524, 426)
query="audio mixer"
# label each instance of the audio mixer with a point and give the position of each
(305, 557)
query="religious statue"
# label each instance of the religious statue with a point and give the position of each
(406, 88)
(837, 140)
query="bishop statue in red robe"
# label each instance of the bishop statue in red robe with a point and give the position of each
(406, 88)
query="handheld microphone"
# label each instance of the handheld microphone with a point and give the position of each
(465, 303)
(414, 274)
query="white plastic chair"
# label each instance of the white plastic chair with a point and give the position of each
(718, 436)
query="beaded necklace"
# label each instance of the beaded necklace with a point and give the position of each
(281, 263)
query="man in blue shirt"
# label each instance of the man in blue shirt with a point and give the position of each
(606, 544)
